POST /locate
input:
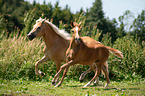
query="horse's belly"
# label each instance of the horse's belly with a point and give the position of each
(87, 61)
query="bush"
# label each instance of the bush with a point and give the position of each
(132, 64)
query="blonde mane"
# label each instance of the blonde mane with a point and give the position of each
(61, 33)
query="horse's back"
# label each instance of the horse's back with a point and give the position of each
(89, 40)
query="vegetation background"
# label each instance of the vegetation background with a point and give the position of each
(18, 54)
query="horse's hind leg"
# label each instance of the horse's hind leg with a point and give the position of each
(84, 74)
(97, 73)
(106, 74)
(97, 79)
(92, 67)
(43, 59)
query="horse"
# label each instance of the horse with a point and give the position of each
(56, 41)
(86, 54)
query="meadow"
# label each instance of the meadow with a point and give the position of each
(70, 87)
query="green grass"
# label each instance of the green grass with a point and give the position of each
(71, 88)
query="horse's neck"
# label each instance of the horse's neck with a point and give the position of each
(51, 38)
(73, 45)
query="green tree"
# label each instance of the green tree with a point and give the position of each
(57, 14)
(34, 2)
(95, 17)
(139, 26)
(13, 12)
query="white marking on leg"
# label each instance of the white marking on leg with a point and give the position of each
(87, 84)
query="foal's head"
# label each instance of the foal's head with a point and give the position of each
(76, 29)
(38, 29)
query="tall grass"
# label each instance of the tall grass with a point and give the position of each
(18, 56)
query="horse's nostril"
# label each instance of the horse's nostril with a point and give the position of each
(31, 36)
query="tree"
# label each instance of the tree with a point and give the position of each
(139, 26)
(95, 17)
(57, 14)
(12, 12)
(34, 2)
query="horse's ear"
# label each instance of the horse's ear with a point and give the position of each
(72, 24)
(80, 24)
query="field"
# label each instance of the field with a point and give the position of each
(71, 88)
(18, 55)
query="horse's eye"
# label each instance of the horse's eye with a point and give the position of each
(39, 27)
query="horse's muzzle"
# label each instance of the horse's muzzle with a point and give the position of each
(78, 40)
(31, 36)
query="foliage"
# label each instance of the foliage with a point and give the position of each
(132, 64)
(139, 26)
(12, 12)
(95, 17)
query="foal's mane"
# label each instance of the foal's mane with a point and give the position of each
(61, 33)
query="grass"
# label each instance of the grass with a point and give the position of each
(71, 88)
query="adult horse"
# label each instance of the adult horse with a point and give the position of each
(56, 41)
(86, 54)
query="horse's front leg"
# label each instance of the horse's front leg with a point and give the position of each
(58, 64)
(65, 66)
(39, 73)
(64, 74)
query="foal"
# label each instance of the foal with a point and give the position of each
(85, 54)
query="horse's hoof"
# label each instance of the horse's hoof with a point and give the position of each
(95, 84)
(53, 83)
(81, 81)
(42, 74)
(106, 86)
(57, 85)
(85, 86)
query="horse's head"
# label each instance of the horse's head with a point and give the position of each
(76, 29)
(38, 29)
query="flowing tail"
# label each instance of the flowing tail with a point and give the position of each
(115, 52)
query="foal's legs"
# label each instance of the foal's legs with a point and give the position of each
(43, 59)
(106, 75)
(90, 69)
(97, 73)
(66, 67)
(84, 74)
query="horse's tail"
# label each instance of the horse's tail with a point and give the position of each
(115, 52)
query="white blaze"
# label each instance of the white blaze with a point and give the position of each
(77, 33)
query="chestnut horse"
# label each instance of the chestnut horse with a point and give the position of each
(56, 41)
(86, 54)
